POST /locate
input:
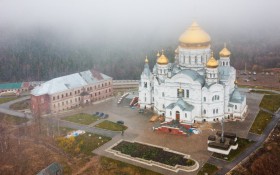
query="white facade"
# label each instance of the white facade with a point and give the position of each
(207, 93)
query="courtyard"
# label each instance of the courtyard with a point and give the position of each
(140, 129)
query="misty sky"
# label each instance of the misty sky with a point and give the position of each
(140, 19)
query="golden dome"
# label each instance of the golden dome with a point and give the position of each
(224, 52)
(212, 62)
(194, 36)
(146, 60)
(162, 59)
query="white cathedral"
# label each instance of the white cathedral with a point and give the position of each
(196, 87)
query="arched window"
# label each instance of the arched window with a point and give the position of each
(213, 98)
(162, 94)
(217, 111)
(235, 106)
(204, 98)
(186, 115)
(223, 63)
(163, 106)
(204, 111)
(170, 113)
(213, 111)
(218, 97)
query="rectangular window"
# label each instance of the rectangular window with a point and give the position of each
(42, 100)
(187, 93)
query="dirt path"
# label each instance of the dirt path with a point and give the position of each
(93, 162)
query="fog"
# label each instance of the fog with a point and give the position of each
(136, 28)
(140, 19)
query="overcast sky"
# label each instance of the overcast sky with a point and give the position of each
(140, 19)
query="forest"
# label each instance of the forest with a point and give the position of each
(41, 54)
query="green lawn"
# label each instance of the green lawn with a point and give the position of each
(242, 145)
(21, 105)
(7, 99)
(12, 119)
(81, 118)
(83, 144)
(262, 119)
(111, 166)
(270, 102)
(208, 168)
(111, 126)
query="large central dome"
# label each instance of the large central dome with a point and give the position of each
(194, 37)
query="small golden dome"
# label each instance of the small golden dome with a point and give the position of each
(212, 62)
(180, 90)
(158, 55)
(194, 36)
(162, 59)
(176, 50)
(224, 52)
(146, 60)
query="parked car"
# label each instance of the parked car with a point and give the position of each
(101, 114)
(104, 116)
(140, 111)
(120, 122)
(97, 113)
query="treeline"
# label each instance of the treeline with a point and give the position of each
(42, 56)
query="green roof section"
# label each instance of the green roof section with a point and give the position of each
(10, 86)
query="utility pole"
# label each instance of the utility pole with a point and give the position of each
(58, 125)
(245, 69)
(222, 135)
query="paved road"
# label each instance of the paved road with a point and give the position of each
(4, 108)
(87, 128)
(226, 167)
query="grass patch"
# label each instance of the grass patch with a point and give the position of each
(81, 118)
(82, 144)
(262, 92)
(13, 120)
(260, 122)
(242, 145)
(270, 102)
(208, 168)
(21, 105)
(111, 166)
(111, 126)
(7, 99)
(156, 154)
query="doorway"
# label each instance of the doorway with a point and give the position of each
(177, 116)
